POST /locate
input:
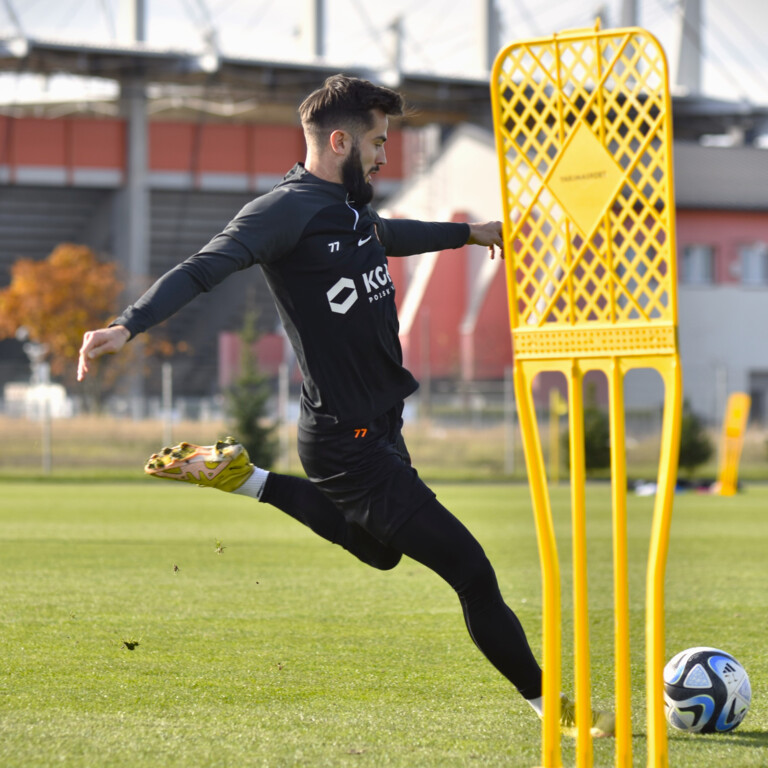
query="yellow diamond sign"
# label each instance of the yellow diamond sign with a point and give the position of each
(585, 179)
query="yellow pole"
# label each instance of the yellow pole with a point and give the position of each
(579, 547)
(732, 441)
(658, 756)
(550, 568)
(620, 566)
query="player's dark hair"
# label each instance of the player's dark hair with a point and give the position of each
(346, 102)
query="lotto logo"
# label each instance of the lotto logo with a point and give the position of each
(339, 291)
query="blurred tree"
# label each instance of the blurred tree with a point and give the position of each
(696, 447)
(58, 299)
(597, 433)
(247, 401)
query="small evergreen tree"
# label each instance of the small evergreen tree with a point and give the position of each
(597, 433)
(247, 402)
(696, 447)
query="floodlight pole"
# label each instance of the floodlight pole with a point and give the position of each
(132, 21)
(488, 19)
(133, 242)
(688, 75)
(629, 15)
(395, 30)
(313, 29)
(135, 235)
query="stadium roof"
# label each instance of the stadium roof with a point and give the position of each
(433, 98)
(275, 83)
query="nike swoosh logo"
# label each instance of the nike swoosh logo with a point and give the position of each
(364, 240)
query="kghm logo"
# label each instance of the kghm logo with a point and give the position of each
(342, 296)
(378, 283)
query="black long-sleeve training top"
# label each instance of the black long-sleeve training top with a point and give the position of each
(325, 263)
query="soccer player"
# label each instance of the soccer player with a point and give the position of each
(323, 251)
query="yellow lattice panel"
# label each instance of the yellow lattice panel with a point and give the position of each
(584, 143)
(583, 134)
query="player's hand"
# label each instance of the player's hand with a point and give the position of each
(488, 233)
(106, 341)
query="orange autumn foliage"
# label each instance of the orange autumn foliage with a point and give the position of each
(58, 299)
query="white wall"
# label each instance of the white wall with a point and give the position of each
(723, 336)
(464, 177)
(723, 330)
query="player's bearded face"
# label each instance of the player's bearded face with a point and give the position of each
(353, 178)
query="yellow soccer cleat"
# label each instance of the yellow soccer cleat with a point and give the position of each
(224, 465)
(603, 723)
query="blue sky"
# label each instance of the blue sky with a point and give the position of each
(440, 36)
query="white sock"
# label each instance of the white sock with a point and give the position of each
(254, 485)
(538, 705)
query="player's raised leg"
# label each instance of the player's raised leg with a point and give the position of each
(225, 465)
(435, 538)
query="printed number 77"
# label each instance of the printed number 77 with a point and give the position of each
(360, 433)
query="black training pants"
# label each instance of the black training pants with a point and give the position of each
(437, 539)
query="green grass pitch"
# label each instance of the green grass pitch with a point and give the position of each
(151, 625)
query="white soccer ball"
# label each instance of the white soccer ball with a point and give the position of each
(705, 691)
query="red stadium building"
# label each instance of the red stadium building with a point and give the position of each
(68, 179)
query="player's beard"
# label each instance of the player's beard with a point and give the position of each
(352, 176)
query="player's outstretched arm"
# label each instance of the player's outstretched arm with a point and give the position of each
(105, 341)
(487, 233)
